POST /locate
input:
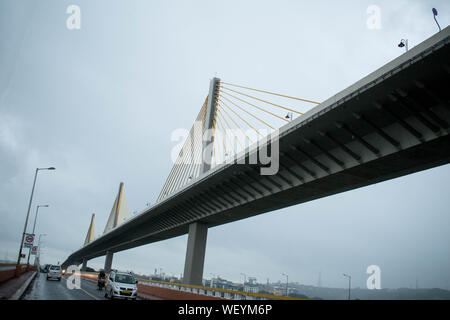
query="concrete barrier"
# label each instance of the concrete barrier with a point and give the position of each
(23, 287)
(171, 294)
(8, 272)
(5, 275)
(12, 287)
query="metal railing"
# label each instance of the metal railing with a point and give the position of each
(206, 291)
(214, 292)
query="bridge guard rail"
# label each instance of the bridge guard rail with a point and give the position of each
(207, 292)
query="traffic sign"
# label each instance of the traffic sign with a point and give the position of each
(34, 250)
(29, 239)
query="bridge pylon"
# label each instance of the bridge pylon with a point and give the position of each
(208, 137)
(119, 213)
(198, 232)
(90, 233)
(89, 238)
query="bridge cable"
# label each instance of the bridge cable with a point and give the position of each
(226, 134)
(227, 124)
(231, 109)
(260, 108)
(189, 161)
(232, 119)
(268, 92)
(180, 166)
(193, 150)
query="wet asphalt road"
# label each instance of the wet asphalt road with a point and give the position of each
(43, 289)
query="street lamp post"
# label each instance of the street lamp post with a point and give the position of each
(404, 44)
(245, 278)
(34, 227)
(435, 13)
(290, 116)
(39, 243)
(349, 283)
(38, 255)
(212, 279)
(287, 283)
(26, 220)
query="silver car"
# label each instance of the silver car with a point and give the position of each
(121, 285)
(55, 272)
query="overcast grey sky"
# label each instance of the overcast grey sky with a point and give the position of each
(100, 104)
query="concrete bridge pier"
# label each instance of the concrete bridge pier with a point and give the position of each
(84, 265)
(108, 261)
(195, 254)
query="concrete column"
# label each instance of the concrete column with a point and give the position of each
(84, 266)
(195, 254)
(108, 261)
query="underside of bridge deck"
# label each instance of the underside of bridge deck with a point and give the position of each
(392, 123)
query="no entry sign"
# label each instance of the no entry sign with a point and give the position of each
(29, 239)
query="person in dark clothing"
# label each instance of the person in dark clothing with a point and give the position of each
(101, 280)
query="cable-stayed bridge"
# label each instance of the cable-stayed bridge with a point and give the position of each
(251, 151)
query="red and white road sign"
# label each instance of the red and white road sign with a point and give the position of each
(28, 241)
(34, 250)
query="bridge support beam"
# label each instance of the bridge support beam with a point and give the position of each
(108, 261)
(84, 265)
(195, 254)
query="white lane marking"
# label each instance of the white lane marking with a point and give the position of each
(89, 294)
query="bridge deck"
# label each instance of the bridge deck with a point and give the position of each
(391, 123)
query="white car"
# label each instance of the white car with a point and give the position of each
(54, 271)
(121, 285)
